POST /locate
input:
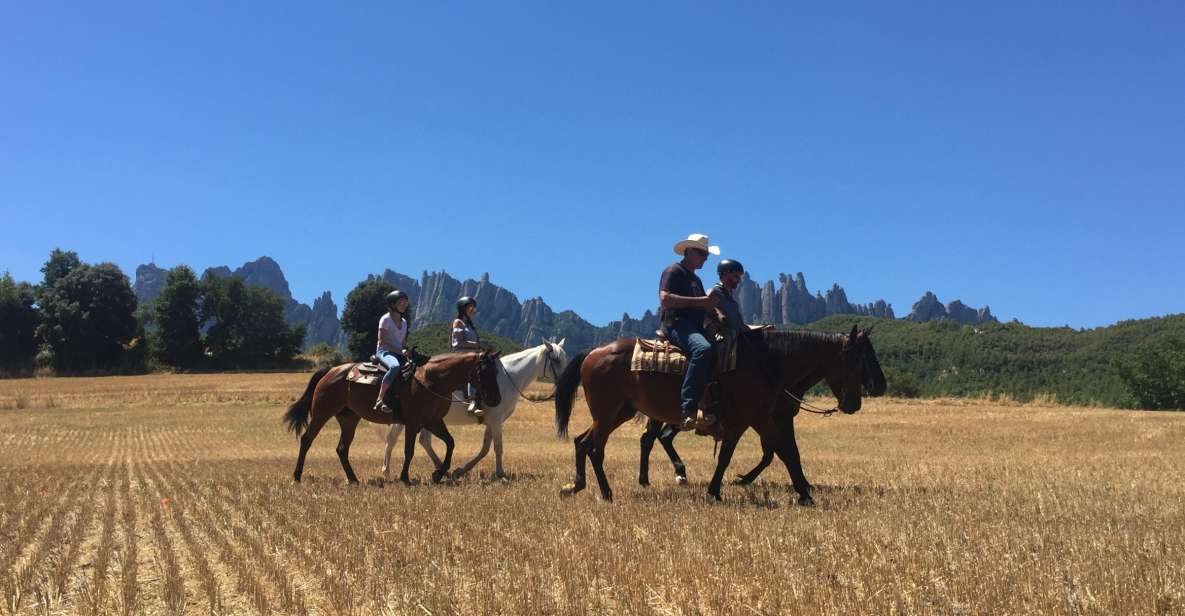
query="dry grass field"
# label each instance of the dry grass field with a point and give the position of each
(173, 495)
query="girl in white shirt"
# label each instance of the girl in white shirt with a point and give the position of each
(392, 336)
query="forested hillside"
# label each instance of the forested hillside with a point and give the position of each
(1133, 364)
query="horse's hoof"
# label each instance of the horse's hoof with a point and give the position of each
(715, 497)
(568, 490)
(681, 480)
(741, 480)
(503, 477)
(806, 501)
(459, 473)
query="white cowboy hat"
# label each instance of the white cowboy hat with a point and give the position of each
(696, 240)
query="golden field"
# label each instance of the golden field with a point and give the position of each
(173, 495)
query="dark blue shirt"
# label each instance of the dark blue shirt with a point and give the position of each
(679, 280)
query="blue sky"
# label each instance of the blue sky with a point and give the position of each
(1026, 156)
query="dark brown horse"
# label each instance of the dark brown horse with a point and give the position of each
(424, 401)
(766, 362)
(788, 405)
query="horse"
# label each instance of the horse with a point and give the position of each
(788, 404)
(766, 361)
(424, 400)
(516, 372)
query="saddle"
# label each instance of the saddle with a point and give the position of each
(372, 371)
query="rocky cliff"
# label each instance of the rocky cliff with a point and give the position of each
(928, 308)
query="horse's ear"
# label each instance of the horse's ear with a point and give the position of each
(561, 342)
(854, 333)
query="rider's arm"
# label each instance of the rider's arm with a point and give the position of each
(670, 300)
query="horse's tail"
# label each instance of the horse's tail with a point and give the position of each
(565, 392)
(297, 415)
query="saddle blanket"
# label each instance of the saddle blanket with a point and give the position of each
(664, 357)
(366, 373)
(657, 356)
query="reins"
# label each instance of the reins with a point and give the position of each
(450, 399)
(810, 408)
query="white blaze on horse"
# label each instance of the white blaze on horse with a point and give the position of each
(515, 374)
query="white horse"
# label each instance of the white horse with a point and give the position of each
(516, 373)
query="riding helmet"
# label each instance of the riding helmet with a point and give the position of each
(395, 296)
(728, 265)
(464, 303)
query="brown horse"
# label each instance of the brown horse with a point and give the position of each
(766, 362)
(424, 401)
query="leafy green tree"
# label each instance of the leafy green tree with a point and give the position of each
(365, 304)
(60, 264)
(178, 338)
(18, 324)
(1155, 375)
(88, 317)
(246, 325)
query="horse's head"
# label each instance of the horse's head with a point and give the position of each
(858, 373)
(555, 359)
(486, 377)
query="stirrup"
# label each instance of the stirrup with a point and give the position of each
(382, 407)
(704, 420)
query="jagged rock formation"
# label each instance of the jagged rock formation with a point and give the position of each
(928, 308)
(793, 303)
(150, 279)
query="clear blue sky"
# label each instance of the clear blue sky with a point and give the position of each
(1027, 156)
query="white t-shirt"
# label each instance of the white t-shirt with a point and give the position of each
(391, 336)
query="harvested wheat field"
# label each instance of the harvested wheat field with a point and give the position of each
(173, 494)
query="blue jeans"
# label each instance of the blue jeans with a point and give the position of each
(689, 336)
(391, 361)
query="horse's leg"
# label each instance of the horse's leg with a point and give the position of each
(499, 472)
(649, 435)
(767, 455)
(426, 443)
(392, 438)
(316, 422)
(409, 450)
(348, 421)
(788, 452)
(438, 429)
(598, 436)
(485, 447)
(580, 444)
(666, 437)
(731, 438)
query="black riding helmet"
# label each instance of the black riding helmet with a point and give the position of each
(728, 265)
(395, 296)
(464, 303)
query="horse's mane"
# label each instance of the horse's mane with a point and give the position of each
(789, 342)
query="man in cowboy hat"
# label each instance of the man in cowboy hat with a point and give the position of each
(683, 306)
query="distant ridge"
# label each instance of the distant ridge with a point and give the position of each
(434, 294)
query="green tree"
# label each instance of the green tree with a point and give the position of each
(1155, 375)
(18, 324)
(246, 325)
(88, 317)
(60, 264)
(365, 304)
(178, 338)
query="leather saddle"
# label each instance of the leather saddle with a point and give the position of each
(372, 371)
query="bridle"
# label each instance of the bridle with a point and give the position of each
(549, 362)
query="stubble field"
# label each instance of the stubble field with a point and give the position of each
(173, 494)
